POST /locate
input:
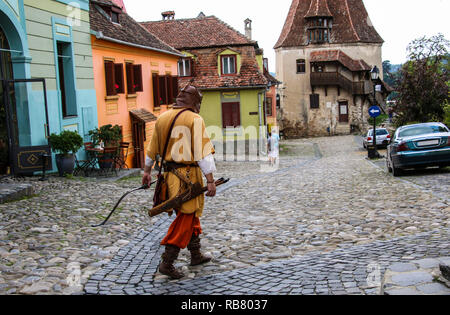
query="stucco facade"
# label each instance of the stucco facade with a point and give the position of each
(324, 56)
(50, 40)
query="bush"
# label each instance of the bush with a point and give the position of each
(66, 143)
(447, 115)
(108, 134)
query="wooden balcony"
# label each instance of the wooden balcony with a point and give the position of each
(337, 79)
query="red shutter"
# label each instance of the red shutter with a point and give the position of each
(236, 114)
(163, 90)
(137, 75)
(169, 88)
(155, 78)
(118, 75)
(109, 78)
(130, 78)
(226, 115)
(174, 89)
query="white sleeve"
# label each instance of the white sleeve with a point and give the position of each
(208, 165)
(149, 162)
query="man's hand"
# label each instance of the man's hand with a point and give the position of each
(211, 185)
(147, 179)
(211, 190)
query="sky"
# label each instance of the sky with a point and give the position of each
(397, 21)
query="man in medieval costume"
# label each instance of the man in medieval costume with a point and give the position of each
(189, 154)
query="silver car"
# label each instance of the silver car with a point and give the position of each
(383, 138)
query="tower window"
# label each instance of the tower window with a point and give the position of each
(301, 66)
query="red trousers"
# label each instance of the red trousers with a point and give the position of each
(182, 229)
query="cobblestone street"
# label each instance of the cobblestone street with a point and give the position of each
(326, 222)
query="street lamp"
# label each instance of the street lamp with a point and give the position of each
(372, 150)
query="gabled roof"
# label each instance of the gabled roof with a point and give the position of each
(200, 32)
(127, 32)
(341, 57)
(206, 74)
(351, 22)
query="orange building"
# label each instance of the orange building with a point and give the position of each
(135, 76)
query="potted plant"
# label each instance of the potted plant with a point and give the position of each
(110, 136)
(66, 145)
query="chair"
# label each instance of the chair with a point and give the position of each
(107, 160)
(121, 159)
(85, 165)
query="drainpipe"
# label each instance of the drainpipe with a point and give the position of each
(262, 132)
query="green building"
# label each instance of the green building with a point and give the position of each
(228, 69)
(46, 74)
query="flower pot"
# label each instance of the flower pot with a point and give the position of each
(65, 164)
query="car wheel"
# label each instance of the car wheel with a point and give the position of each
(396, 171)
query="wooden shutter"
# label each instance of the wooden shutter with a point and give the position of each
(119, 81)
(163, 90)
(137, 75)
(175, 90)
(231, 115)
(236, 114)
(130, 78)
(226, 115)
(155, 78)
(314, 100)
(109, 79)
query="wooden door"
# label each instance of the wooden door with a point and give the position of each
(138, 143)
(343, 112)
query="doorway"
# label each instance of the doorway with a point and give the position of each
(343, 112)
(139, 143)
(6, 73)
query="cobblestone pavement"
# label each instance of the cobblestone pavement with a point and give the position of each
(325, 222)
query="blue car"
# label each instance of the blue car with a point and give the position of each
(419, 146)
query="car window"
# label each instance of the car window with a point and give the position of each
(421, 130)
(381, 132)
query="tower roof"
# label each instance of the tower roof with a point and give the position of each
(351, 22)
(319, 8)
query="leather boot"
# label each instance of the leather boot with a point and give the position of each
(168, 258)
(197, 257)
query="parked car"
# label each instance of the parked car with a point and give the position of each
(383, 138)
(419, 146)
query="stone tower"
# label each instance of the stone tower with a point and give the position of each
(324, 56)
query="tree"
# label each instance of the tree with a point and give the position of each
(422, 84)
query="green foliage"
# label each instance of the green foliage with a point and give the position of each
(66, 143)
(108, 134)
(380, 120)
(447, 114)
(423, 82)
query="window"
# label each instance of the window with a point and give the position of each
(185, 68)
(134, 78)
(266, 65)
(231, 115)
(228, 64)
(269, 107)
(66, 79)
(165, 89)
(301, 66)
(114, 78)
(115, 17)
(314, 100)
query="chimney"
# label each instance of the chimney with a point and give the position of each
(248, 28)
(168, 15)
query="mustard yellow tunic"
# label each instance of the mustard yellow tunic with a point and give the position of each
(189, 143)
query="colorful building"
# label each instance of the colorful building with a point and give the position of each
(135, 75)
(325, 53)
(47, 80)
(228, 68)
